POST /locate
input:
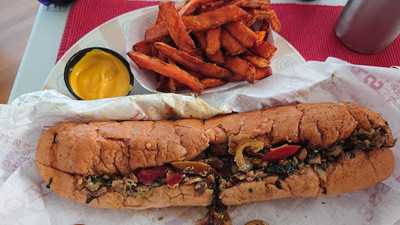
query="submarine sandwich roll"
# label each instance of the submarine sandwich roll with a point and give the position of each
(303, 150)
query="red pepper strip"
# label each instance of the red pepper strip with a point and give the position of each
(173, 178)
(281, 152)
(149, 175)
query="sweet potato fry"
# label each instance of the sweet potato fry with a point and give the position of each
(212, 82)
(230, 44)
(191, 6)
(217, 58)
(176, 28)
(214, 18)
(166, 69)
(242, 33)
(257, 61)
(265, 50)
(191, 62)
(236, 77)
(250, 21)
(252, 3)
(269, 16)
(260, 37)
(210, 6)
(265, 27)
(274, 20)
(143, 47)
(159, 18)
(263, 73)
(163, 57)
(200, 36)
(203, 21)
(156, 32)
(258, 14)
(241, 67)
(213, 41)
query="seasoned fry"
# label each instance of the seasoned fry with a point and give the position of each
(242, 33)
(166, 69)
(242, 67)
(230, 44)
(218, 57)
(212, 82)
(143, 47)
(265, 50)
(263, 73)
(193, 63)
(213, 41)
(260, 37)
(257, 61)
(176, 28)
(191, 6)
(214, 18)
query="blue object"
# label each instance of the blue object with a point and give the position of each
(55, 2)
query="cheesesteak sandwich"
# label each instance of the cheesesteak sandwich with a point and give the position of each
(303, 150)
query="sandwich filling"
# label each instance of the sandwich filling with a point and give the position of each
(254, 162)
(142, 181)
(251, 161)
(223, 166)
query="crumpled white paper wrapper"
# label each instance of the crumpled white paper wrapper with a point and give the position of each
(24, 199)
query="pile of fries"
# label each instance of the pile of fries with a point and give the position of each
(206, 43)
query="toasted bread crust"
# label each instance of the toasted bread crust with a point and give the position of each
(365, 170)
(299, 185)
(319, 124)
(119, 147)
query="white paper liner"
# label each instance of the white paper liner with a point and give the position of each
(25, 200)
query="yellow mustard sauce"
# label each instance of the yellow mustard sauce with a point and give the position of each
(99, 74)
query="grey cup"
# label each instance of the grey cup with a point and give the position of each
(369, 26)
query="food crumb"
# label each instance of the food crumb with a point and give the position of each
(160, 218)
(323, 203)
(250, 190)
(49, 183)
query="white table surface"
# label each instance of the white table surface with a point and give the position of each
(44, 41)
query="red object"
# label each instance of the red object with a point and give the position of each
(85, 15)
(173, 178)
(309, 28)
(281, 152)
(149, 175)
